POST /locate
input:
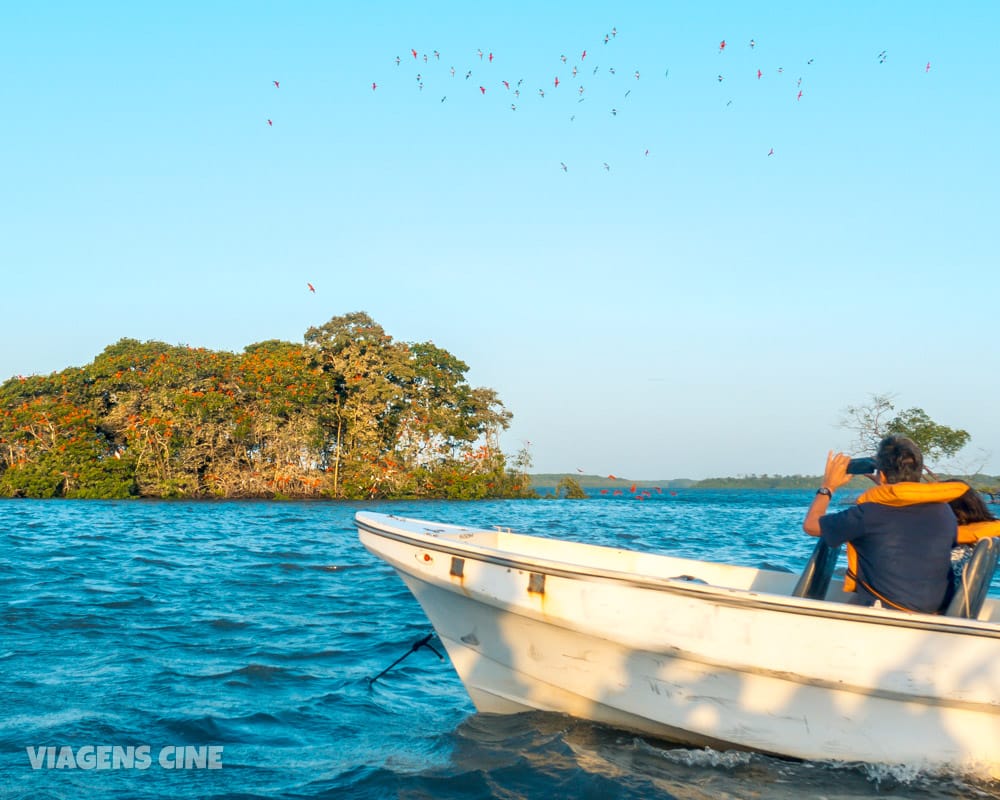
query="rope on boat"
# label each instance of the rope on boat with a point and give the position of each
(424, 642)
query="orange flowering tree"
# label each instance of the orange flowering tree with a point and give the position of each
(350, 413)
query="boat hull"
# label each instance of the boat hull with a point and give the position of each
(671, 653)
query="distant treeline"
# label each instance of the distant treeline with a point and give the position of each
(984, 483)
(770, 482)
(549, 479)
(742, 482)
(348, 414)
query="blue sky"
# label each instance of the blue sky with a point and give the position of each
(701, 309)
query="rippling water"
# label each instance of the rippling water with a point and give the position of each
(254, 627)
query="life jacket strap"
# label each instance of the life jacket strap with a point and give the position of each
(878, 595)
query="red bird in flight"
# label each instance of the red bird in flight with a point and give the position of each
(414, 53)
(482, 89)
(374, 86)
(311, 288)
(276, 84)
(556, 82)
(583, 55)
(722, 45)
(270, 124)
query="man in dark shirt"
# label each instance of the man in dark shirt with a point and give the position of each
(899, 534)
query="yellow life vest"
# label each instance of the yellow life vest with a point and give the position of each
(899, 495)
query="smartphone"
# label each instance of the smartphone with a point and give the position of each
(861, 466)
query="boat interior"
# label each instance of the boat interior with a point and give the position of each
(815, 582)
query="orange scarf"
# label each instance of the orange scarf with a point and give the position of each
(899, 495)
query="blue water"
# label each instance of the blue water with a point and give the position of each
(253, 627)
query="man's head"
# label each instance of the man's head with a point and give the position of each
(899, 459)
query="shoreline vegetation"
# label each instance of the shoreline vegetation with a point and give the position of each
(349, 414)
(550, 481)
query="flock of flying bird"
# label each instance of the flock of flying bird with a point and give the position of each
(580, 72)
(518, 91)
(589, 79)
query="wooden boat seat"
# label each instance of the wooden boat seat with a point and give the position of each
(814, 581)
(975, 582)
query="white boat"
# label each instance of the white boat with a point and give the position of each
(707, 654)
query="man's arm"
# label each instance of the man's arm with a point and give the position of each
(834, 477)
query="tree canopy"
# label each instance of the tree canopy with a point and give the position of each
(878, 418)
(350, 413)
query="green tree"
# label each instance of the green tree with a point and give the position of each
(402, 418)
(878, 418)
(52, 444)
(359, 403)
(935, 440)
(570, 488)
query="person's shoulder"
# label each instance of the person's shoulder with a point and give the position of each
(852, 512)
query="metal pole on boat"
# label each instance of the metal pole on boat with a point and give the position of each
(424, 642)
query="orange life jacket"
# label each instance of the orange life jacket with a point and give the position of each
(899, 495)
(974, 531)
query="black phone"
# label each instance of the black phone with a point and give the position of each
(861, 466)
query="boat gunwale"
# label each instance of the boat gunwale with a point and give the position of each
(728, 596)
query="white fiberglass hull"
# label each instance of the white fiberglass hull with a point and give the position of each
(699, 653)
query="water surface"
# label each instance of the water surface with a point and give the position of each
(254, 627)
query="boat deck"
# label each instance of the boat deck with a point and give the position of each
(599, 560)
